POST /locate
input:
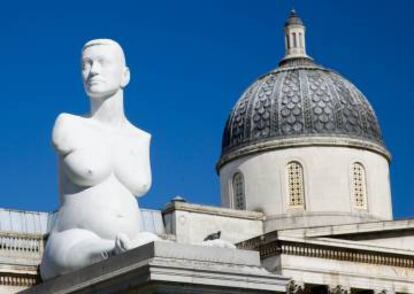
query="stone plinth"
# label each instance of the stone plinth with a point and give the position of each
(164, 267)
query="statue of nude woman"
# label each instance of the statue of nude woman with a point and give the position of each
(103, 165)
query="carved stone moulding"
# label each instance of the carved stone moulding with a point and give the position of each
(276, 247)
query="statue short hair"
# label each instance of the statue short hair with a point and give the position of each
(105, 42)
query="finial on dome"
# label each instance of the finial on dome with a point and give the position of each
(293, 18)
(295, 42)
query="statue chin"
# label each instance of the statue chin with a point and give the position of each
(100, 94)
(101, 172)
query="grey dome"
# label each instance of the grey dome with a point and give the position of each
(299, 100)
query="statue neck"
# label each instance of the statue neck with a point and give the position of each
(109, 111)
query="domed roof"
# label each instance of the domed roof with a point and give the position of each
(300, 103)
(293, 19)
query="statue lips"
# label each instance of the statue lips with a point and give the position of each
(95, 81)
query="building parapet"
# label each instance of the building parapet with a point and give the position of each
(212, 210)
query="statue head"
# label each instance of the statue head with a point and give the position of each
(104, 71)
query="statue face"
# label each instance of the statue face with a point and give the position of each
(103, 70)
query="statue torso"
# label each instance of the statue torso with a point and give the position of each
(101, 170)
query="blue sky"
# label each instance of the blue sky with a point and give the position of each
(190, 61)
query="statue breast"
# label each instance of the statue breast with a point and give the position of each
(90, 154)
(84, 150)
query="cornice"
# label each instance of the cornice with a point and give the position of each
(277, 144)
(306, 249)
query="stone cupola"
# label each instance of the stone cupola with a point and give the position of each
(295, 41)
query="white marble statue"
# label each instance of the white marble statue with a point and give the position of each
(104, 165)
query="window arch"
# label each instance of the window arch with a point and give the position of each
(296, 188)
(359, 187)
(238, 191)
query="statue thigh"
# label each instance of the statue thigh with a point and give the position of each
(71, 250)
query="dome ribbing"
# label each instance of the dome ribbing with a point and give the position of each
(300, 103)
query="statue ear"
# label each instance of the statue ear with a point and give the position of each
(126, 76)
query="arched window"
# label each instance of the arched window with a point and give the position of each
(295, 45)
(359, 189)
(238, 191)
(296, 185)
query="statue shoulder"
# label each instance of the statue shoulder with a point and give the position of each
(139, 134)
(64, 125)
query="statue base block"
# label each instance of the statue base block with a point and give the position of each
(164, 267)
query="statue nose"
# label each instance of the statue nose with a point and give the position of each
(95, 68)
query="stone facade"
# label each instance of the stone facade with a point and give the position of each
(327, 185)
(20, 255)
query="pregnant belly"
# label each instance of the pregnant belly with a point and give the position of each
(87, 167)
(106, 209)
